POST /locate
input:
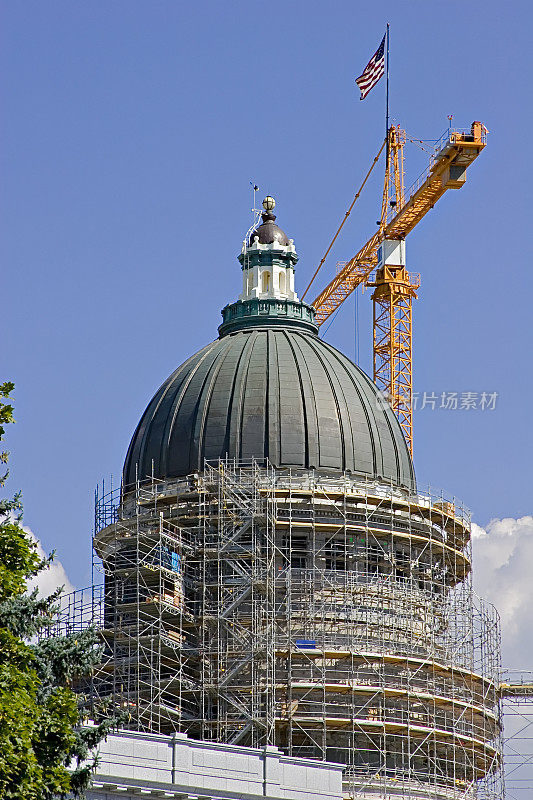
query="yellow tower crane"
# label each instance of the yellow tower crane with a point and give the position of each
(380, 263)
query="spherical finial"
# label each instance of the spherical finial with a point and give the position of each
(269, 203)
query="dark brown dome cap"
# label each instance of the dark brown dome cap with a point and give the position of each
(270, 393)
(269, 232)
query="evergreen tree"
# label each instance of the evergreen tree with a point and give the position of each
(41, 733)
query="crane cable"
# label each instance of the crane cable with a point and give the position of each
(346, 215)
(421, 143)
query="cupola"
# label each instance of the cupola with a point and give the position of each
(267, 259)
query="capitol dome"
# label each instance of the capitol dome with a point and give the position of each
(269, 388)
(281, 584)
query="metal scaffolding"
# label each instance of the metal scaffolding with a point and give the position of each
(516, 691)
(330, 615)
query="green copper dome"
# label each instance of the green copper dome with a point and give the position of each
(269, 392)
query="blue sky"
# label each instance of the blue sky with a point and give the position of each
(130, 133)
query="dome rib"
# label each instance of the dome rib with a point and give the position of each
(269, 392)
(307, 405)
(401, 462)
(181, 388)
(329, 428)
(312, 428)
(253, 402)
(367, 429)
(217, 430)
(293, 432)
(235, 435)
(342, 408)
(273, 400)
(172, 457)
(198, 441)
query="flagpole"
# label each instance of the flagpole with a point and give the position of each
(387, 101)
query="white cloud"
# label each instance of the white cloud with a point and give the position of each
(48, 580)
(503, 574)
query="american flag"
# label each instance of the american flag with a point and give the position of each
(373, 71)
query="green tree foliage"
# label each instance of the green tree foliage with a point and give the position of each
(41, 733)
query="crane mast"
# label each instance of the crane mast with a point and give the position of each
(394, 291)
(380, 263)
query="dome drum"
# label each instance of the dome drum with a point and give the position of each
(271, 311)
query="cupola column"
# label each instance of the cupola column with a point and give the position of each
(268, 259)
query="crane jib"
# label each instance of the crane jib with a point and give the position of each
(460, 151)
(394, 287)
